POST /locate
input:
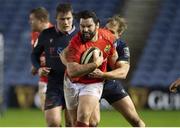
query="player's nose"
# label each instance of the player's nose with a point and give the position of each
(85, 29)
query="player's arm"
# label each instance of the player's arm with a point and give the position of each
(35, 57)
(121, 71)
(113, 59)
(74, 69)
(175, 86)
(122, 63)
(36, 53)
(33, 70)
(121, 67)
(63, 55)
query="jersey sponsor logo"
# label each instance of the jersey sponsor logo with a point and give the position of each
(54, 52)
(107, 48)
(51, 40)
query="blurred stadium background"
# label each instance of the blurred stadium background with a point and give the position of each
(153, 36)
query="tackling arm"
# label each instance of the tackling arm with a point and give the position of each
(119, 64)
(121, 71)
(35, 56)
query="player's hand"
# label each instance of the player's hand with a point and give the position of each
(44, 71)
(42, 61)
(97, 57)
(97, 73)
(173, 87)
(34, 71)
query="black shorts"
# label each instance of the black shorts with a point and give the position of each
(113, 91)
(54, 98)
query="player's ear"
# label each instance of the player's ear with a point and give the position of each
(120, 33)
(42, 20)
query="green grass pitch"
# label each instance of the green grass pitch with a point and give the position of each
(34, 118)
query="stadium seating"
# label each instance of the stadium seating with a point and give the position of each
(160, 61)
(14, 25)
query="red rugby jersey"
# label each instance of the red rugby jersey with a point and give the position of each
(34, 41)
(76, 48)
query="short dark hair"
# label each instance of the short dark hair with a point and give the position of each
(88, 14)
(40, 13)
(64, 7)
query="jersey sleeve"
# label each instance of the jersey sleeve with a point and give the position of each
(73, 51)
(123, 51)
(37, 51)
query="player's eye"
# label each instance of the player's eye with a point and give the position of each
(89, 26)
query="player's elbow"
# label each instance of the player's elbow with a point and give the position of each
(121, 76)
(124, 76)
(63, 59)
(125, 73)
(72, 74)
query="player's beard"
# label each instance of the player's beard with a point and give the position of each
(87, 36)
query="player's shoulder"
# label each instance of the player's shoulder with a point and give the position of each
(49, 30)
(76, 37)
(50, 25)
(120, 42)
(34, 33)
(106, 34)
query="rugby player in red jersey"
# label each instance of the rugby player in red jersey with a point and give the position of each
(82, 93)
(39, 20)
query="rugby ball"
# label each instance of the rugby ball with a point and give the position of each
(87, 56)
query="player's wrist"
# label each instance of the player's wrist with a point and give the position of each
(105, 75)
(96, 64)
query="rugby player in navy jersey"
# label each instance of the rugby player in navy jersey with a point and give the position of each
(113, 91)
(52, 41)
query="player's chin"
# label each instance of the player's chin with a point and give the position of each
(66, 28)
(86, 37)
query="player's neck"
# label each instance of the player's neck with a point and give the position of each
(44, 26)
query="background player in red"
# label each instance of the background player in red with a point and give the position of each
(39, 20)
(113, 90)
(82, 93)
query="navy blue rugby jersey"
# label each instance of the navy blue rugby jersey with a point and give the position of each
(52, 42)
(122, 50)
